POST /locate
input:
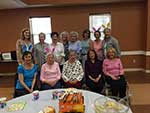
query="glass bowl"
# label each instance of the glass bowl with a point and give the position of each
(111, 104)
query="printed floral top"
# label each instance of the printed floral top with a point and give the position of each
(72, 71)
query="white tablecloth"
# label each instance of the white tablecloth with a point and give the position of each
(46, 100)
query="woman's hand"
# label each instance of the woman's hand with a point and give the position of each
(115, 78)
(30, 90)
(92, 78)
(73, 82)
(97, 79)
(52, 83)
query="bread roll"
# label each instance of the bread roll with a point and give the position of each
(49, 109)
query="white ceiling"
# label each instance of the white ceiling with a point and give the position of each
(11, 4)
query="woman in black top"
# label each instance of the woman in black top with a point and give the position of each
(93, 72)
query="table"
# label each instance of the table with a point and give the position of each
(46, 100)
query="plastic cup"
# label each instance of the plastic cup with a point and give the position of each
(35, 95)
(3, 102)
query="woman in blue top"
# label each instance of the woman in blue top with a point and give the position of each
(27, 73)
(86, 45)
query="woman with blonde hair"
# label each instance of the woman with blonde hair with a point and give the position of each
(114, 73)
(23, 44)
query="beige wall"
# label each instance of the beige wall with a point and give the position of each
(129, 25)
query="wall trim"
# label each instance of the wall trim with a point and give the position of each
(136, 69)
(139, 52)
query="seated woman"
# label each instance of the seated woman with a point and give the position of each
(113, 69)
(93, 72)
(72, 73)
(27, 73)
(50, 73)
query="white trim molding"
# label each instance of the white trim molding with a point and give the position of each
(147, 71)
(133, 69)
(148, 53)
(139, 52)
(136, 69)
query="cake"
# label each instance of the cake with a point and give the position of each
(72, 102)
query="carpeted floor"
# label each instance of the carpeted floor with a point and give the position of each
(139, 85)
(140, 94)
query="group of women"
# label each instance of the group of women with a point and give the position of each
(70, 62)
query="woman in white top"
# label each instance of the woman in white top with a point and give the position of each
(57, 48)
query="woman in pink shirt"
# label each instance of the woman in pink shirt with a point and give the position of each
(113, 69)
(50, 74)
(97, 45)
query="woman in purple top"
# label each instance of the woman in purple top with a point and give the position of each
(113, 69)
(93, 72)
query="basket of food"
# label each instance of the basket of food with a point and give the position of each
(72, 101)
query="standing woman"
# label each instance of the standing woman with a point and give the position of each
(57, 48)
(40, 51)
(93, 72)
(23, 44)
(85, 45)
(109, 41)
(113, 69)
(75, 44)
(27, 73)
(64, 38)
(97, 45)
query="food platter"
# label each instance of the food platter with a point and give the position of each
(111, 105)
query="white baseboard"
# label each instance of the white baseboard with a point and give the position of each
(139, 52)
(147, 71)
(136, 69)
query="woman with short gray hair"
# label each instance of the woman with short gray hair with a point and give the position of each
(64, 37)
(72, 73)
(75, 44)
